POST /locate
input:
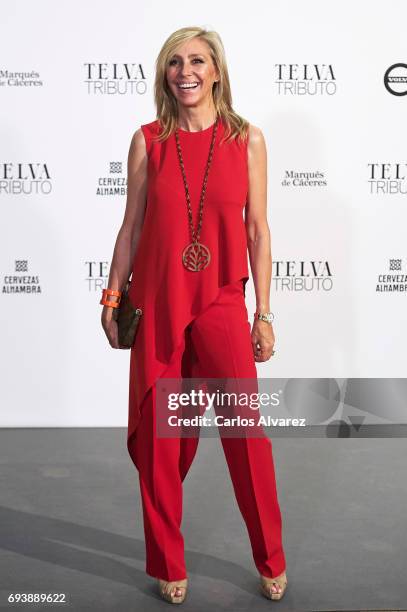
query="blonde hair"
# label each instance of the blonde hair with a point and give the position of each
(165, 102)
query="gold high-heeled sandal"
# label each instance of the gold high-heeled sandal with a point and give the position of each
(266, 584)
(168, 590)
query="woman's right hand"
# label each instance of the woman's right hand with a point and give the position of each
(110, 327)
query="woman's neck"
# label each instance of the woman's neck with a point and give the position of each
(196, 121)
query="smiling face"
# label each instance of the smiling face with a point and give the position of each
(191, 73)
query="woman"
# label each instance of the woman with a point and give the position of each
(191, 172)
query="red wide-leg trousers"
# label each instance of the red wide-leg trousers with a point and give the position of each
(221, 342)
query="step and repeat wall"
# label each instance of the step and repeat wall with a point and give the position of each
(326, 84)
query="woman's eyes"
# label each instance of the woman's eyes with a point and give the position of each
(196, 59)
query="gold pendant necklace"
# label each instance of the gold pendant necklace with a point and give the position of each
(196, 256)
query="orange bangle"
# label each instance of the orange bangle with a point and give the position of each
(111, 292)
(109, 303)
(106, 302)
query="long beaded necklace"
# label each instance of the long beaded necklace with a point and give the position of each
(196, 256)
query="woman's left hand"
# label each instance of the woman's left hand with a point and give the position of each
(262, 340)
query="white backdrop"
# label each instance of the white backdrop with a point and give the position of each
(310, 75)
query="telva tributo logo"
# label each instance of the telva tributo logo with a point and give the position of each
(305, 79)
(387, 178)
(97, 275)
(105, 78)
(302, 276)
(25, 178)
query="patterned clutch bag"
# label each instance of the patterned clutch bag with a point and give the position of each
(128, 318)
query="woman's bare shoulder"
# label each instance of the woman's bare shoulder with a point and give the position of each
(256, 147)
(142, 138)
(255, 134)
(138, 145)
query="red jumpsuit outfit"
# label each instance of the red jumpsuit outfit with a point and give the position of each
(194, 324)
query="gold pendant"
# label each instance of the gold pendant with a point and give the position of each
(196, 257)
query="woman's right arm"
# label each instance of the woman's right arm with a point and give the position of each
(130, 230)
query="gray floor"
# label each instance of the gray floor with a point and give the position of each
(71, 523)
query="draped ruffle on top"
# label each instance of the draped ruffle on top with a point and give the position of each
(171, 296)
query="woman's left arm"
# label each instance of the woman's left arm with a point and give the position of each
(259, 241)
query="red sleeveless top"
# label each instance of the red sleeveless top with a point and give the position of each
(170, 295)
